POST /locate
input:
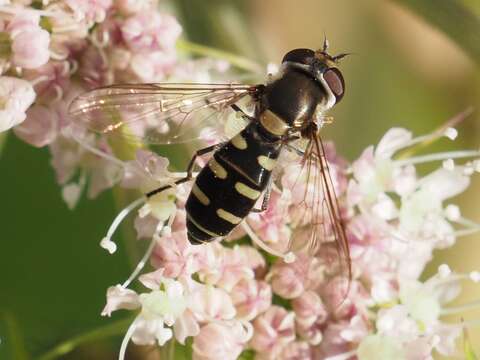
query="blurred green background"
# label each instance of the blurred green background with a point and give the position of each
(414, 65)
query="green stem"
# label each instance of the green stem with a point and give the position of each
(112, 329)
(236, 60)
(3, 140)
(454, 19)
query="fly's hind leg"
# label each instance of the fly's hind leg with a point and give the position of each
(189, 176)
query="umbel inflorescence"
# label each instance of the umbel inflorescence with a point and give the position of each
(230, 296)
(234, 297)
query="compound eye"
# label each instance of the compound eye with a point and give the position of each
(302, 56)
(335, 82)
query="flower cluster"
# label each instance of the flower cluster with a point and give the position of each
(264, 290)
(228, 297)
(50, 51)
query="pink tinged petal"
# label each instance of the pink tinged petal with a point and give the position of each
(129, 7)
(443, 184)
(16, 95)
(379, 347)
(71, 194)
(148, 331)
(208, 302)
(309, 309)
(120, 298)
(356, 330)
(186, 325)
(251, 298)
(385, 207)
(150, 31)
(404, 180)
(396, 322)
(364, 167)
(290, 280)
(447, 339)
(152, 280)
(419, 349)
(382, 291)
(274, 329)
(298, 350)
(41, 126)
(220, 341)
(145, 226)
(90, 10)
(31, 48)
(394, 140)
(175, 255)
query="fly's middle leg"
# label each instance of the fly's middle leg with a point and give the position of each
(189, 176)
(266, 199)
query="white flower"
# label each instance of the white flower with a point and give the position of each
(379, 347)
(16, 95)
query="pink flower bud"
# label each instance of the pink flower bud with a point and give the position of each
(30, 43)
(251, 298)
(90, 10)
(43, 124)
(175, 255)
(209, 303)
(16, 95)
(150, 31)
(222, 341)
(309, 309)
(292, 279)
(297, 350)
(274, 330)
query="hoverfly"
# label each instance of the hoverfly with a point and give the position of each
(287, 109)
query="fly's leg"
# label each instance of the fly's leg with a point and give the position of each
(296, 150)
(189, 176)
(266, 199)
(242, 113)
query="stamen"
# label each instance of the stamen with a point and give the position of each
(107, 240)
(444, 271)
(452, 212)
(451, 133)
(471, 226)
(474, 276)
(58, 56)
(145, 258)
(461, 308)
(95, 150)
(437, 157)
(126, 339)
(73, 66)
(288, 257)
(40, 79)
(58, 93)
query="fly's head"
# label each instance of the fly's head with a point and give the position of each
(321, 66)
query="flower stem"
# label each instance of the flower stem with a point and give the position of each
(112, 329)
(236, 60)
(437, 157)
(438, 133)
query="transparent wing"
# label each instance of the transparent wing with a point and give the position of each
(157, 113)
(317, 217)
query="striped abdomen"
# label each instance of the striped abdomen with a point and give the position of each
(228, 187)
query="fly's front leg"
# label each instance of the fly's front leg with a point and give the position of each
(242, 113)
(189, 176)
